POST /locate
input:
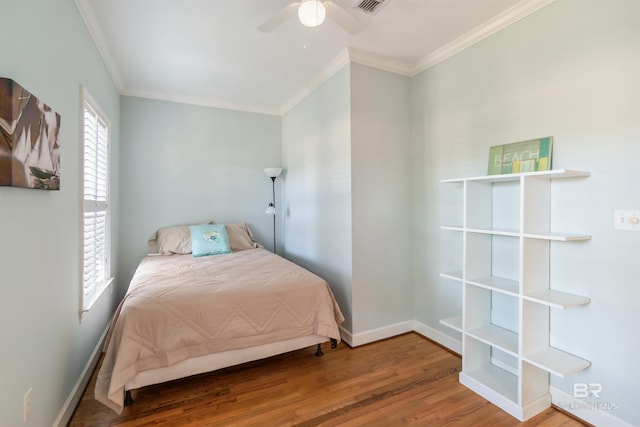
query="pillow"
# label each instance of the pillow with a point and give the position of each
(240, 237)
(209, 239)
(171, 240)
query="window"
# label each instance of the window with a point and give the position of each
(96, 271)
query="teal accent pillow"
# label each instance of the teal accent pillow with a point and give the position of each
(209, 239)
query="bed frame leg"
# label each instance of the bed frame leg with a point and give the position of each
(128, 400)
(334, 343)
(319, 351)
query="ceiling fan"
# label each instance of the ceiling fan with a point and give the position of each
(312, 13)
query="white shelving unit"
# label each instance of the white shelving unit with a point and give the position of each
(505, 276)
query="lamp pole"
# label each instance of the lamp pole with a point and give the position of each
(273, 173)
(273, 203)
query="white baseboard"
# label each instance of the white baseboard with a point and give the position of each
(346, 336)
(72, 401)
(372, 335)
(378, 334)
(584, 410)
(437, 336)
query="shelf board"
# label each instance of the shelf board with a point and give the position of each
(489, 379)
(453, 275)
(561, 237)
(552, 174)
(495, 231)
(556, 299)
(497, 284)
(496, 336)
(556, 362)
(452, 180)
(454, 323)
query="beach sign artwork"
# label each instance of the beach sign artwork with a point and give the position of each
(520, 157)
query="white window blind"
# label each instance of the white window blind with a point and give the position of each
(96, 215)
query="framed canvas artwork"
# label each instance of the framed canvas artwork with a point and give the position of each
(29, 144)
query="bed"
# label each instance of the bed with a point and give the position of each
(184, 315)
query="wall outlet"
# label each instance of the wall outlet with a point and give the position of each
(627, 220)
(27, 405)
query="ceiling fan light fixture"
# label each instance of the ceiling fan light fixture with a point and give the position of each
(312, 13)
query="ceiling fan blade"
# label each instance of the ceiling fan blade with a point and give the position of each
(277, 19)
(351, 24)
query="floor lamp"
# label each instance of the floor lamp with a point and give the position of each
(273, 173)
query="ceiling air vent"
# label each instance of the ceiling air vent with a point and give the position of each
(371, 7)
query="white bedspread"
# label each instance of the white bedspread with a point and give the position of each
(179, 307)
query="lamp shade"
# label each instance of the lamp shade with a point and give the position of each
(311, 13)
(271, 210)
(273, 172)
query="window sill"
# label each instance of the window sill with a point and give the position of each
(87, 304)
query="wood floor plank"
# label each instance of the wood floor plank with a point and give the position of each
(402, 381)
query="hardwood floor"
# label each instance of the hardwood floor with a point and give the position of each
(405, 380)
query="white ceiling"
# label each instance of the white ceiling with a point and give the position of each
(208, 52)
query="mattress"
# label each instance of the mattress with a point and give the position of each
(182, 307)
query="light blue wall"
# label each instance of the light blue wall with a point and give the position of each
(316, 153)
(346, 148)
(570, 70)
(182, 164)
(381, 195)
(45, 47)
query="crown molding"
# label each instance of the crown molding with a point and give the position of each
(202, 102)
(327, 72)
(91, 22)
(513, 14)
(345, 57)
(348, 55)
(380, 62)
(510, 16)
(93, 26)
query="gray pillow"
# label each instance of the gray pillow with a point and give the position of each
(240, 237)
(172, 240)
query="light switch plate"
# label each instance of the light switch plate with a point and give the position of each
(627, 220)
